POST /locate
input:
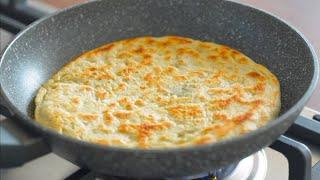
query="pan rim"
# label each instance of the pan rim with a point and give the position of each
(46, 131)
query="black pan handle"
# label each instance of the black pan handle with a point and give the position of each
(17, 144)
(298, 155)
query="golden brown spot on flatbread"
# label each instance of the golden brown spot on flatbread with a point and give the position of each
(157, 70)
(102, 141)
(150, 41)
(123, 114)
(197, 73)
(179, 40)
(124, 55)
(149, 78)
(256, 75)
(181, 62)
(204, 46)
(189, 52)
(126, 71)
(75, 100)
(167, 57)
(139, 50)
(212, 57)
(203, 140)
(180, 78)
(120, 87)
(129, 41)
(170, 69)
(243, 60)
(103, 49)
(112, 105)
(126, 103)
(107, 117)
(88, 117)
(182, 111)
(139, 102)
(101, 95)
(258, 88)
(147, 60)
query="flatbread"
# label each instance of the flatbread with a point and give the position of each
(158, 92)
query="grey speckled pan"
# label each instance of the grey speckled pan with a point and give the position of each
(48, 44)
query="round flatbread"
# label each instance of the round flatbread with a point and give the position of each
(158, 92)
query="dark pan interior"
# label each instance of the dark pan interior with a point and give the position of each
(46, 47)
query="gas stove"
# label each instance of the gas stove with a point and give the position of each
(288, 157)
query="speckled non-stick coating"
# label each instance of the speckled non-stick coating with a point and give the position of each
(48, 44)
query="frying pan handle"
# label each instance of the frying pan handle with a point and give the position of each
(18, 145)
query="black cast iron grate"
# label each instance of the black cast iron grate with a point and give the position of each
(84, 174)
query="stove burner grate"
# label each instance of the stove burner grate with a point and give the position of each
(221, 173)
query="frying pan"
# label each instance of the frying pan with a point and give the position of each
(46, 45)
